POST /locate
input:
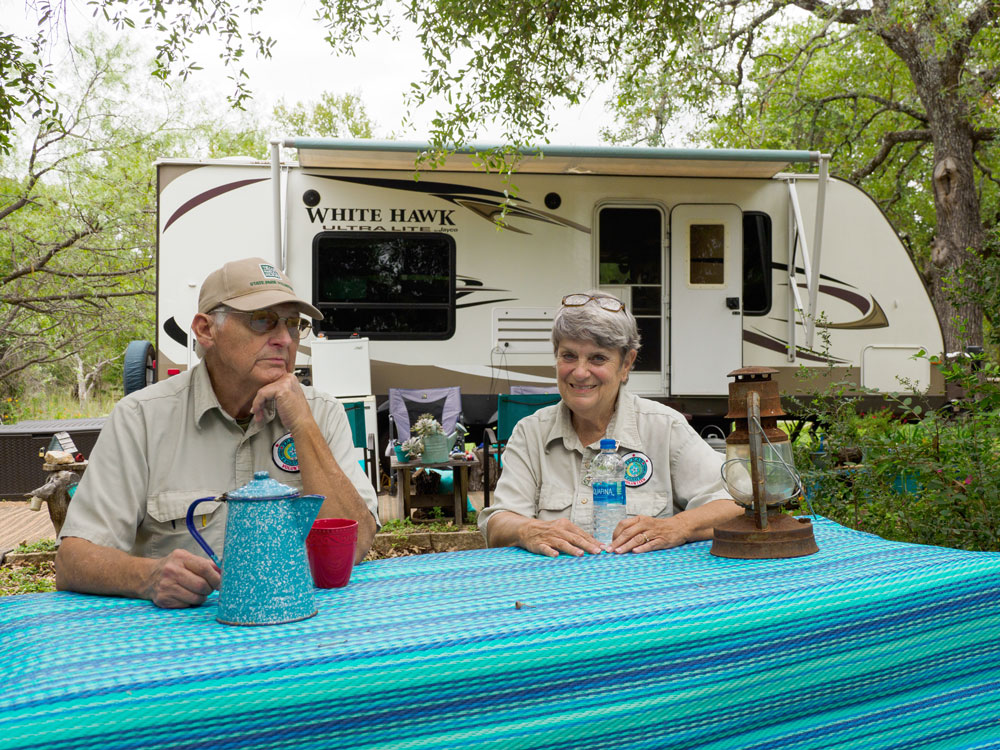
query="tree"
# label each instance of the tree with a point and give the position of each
(76, 226)
(903, 93)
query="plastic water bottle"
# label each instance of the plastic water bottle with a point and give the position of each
(607, 474)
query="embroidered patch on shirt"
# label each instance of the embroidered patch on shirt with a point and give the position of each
(638, 469)
(283, 453)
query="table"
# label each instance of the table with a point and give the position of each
(867, 644)
(460, 486)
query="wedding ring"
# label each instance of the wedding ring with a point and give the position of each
(645, 537)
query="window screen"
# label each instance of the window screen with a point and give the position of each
(385, 286)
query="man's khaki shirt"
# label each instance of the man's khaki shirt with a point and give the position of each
(169, 444)
(669, 468)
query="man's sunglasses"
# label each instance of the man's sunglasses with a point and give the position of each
(579, 300)
(264, 321)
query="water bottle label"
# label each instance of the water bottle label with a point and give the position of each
(608, 492)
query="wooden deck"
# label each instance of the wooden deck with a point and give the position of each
(20, 524)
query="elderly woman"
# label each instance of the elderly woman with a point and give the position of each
(674, 491)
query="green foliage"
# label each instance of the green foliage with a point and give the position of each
(45, 545)
(332, 116)
(27, 579)
(76, 274)
(24, 81)
(909, 472)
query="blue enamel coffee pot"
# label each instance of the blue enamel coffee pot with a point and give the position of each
(265, 573)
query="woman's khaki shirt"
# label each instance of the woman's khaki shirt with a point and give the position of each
(669, 467)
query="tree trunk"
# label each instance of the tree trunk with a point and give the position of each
(958, 240)
(936, 74)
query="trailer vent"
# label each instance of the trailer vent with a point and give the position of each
(523, 330)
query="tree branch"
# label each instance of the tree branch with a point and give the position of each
(889, 141)
(832, 12)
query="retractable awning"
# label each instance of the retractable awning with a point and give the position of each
(597, 160)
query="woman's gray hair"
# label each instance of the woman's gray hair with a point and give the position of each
(591, 322)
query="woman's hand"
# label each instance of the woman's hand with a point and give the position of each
(645, 534)
(552, 537)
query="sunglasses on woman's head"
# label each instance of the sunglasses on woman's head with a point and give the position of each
(607, 303)
(264, 321)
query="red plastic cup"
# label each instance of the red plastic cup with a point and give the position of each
(331, 546)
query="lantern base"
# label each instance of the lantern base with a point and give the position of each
(785, 536)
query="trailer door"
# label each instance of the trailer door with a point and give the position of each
(706, 320)
(630, 243)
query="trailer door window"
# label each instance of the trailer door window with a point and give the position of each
(385, 286)
(707, 261)
(756, 263)
(630, 242)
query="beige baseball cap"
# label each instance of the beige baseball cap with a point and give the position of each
(250, 284)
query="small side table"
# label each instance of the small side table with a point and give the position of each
(460, 486)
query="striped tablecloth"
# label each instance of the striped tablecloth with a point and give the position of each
(868, 644)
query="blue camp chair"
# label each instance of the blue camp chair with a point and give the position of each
(366, 442)
(511, 409)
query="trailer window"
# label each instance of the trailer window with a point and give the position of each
(385, 286)
(756, 263)
(707, 261)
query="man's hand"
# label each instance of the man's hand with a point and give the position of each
(182, 579)
(289, 400)
(552, 537)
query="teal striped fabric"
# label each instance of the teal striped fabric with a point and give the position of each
(868, 644)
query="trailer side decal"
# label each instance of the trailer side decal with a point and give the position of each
(758, 338)
(207, 196)
(476, 200)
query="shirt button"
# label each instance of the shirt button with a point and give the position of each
(583, 501)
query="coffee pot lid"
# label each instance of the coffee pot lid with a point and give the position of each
(262, 486)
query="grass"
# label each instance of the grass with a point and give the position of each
(49, 404)
(45, 545)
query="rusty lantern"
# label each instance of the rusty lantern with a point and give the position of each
(760, 475)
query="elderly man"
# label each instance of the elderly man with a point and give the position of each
(201, 433)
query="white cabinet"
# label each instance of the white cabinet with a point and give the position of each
(341, 367)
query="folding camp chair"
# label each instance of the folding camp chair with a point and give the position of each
(510, 410)
(407, 404)
(366, 442)
(523, 390)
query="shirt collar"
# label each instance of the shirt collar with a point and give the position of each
(622, 427)
(205, 399)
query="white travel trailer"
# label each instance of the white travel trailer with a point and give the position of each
(725, 259)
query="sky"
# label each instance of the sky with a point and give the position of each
(303, 66)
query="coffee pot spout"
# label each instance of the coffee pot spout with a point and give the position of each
(306, 508)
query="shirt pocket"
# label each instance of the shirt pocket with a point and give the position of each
(172, 505)
(648, 503)
(165, 526)
(555, 505)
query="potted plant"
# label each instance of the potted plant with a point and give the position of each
(411, 449)
(435, 442)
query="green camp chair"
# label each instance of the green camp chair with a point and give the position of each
(511, 409)
(366, 442)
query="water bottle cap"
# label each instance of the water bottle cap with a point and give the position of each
(609, 444)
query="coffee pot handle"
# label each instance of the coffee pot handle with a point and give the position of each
(194, 532)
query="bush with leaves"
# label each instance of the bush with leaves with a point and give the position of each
(918, 474)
